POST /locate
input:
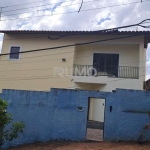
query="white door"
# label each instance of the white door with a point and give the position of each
(96, 109)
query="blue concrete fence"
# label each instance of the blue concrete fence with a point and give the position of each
(55, 115)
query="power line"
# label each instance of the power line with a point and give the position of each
(33, 6)
(71, 51)
(72, 45)
(76, 11)
(59, 58)
(45, 8)
(40, 16)
(52, 67)
(40, 37)
(80, 6)
(78, 44)
(48, 5)
(54, 60)
(41, 77)
(71, 87)
(27, 3)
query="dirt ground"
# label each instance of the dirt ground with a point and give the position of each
(84, 146)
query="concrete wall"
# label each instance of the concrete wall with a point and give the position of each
(54, 115)
(34, 71)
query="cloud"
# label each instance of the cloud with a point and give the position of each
(106, 17)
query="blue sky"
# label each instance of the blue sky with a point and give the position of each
(96, 19)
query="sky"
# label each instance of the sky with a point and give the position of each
(64, 15)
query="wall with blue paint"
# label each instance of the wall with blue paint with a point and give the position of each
(54, 115)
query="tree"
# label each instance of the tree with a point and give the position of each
(5, 119)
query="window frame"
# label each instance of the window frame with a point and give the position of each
(10, 51)
(105, 53)
(96, 52)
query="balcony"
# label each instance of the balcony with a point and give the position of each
(109, 71)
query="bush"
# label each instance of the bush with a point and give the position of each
(5, 119)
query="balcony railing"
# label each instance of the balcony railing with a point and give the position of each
(111, 71)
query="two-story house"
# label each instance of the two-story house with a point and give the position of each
(116, 60)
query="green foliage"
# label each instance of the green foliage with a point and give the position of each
(6, 119)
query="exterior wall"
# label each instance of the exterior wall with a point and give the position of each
(130, 54)
(35, 71)
(54, 115)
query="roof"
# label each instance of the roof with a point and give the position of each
(146, 34)
(74, 32)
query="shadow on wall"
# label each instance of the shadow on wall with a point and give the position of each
(62, 114)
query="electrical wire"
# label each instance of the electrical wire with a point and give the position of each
(74, 11)
(28, 3)
(54, 54)
(54, 59)
(78, 44)
(53, 67)
(47, 69)
(43, 9)
(106, 30)
(71, 51)
(80, 6)
(113, 39)
(48, 5)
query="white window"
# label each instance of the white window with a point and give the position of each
(14, 52)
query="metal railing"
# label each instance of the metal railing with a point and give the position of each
(111, 71)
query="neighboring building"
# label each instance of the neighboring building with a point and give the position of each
(147, 85)
(117, 63)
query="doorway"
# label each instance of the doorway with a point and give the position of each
(95, 119)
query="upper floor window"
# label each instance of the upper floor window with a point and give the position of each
(106, 63)
(14, 52)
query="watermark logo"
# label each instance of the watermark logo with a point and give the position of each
(77, 71)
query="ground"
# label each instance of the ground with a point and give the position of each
(85, 146)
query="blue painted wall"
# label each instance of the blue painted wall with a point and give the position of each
(54, 115)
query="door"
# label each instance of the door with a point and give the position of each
(95, 120)
(96, 109)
